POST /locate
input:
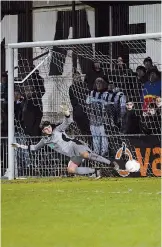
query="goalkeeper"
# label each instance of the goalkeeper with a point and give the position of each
(58, 140)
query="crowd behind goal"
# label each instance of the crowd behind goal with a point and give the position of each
(130, 108)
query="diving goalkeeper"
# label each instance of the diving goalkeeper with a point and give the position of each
(57, 139)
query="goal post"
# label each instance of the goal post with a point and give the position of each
(11, 113)
(77, 46)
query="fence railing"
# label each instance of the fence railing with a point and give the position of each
(46, 162)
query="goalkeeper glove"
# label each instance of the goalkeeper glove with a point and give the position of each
(17, 145)
(65, 110)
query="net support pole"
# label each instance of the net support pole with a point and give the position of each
(110, 34)
(74, 57)
(10, 113)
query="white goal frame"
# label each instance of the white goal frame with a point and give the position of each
(13, 46)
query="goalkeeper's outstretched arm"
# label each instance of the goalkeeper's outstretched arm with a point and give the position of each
(36, 147)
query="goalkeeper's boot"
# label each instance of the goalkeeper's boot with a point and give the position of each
(96, 174)
(121, 172)
(116, 165)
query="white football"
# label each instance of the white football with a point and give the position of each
(132, 166)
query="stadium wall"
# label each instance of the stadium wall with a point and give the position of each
(142, 18)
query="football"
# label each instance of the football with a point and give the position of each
(132, 166)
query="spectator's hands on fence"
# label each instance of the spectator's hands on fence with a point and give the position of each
(17, 145)
(65, 110)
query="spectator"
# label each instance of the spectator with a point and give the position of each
(37, 82)
(77, 94)
(18, 98)
(158, 105)
(4, 123)
(152, 88)
(119, 101)
(4, 104)
(31, 113)
(153, 119)
(4, 87)
(123, 77)
(148, 64)
(130, 121)
(22, 156)
(138, 86)
(97, 101)
(141, 75)
(91, 76)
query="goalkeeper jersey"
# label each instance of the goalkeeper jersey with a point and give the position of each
(59, 140)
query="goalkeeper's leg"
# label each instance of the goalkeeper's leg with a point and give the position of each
(75, 168)
(83, 152)
(86, 153)
(95, 157)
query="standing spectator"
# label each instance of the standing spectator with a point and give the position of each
(4, 87)
(123, 76)
(77, 94)
(142, 78)
(17, 109)
(4, 104)
(141, 75)
(37, 82)
(148, 64)
(130, 121)
(152, 88)
(93, 74)
(22, 156)
(153, 119)
(119, 101)
(97, 101)
(31, 113)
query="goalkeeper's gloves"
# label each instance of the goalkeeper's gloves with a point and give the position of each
(17, 145)
(65, 110)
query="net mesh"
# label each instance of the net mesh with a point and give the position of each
(98, 119)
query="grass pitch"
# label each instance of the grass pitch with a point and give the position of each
(81, 213)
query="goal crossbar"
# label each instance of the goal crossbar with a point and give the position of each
(105, 39)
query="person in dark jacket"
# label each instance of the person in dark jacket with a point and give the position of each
(37, 82)
(148, 65)
(17, 110)
(123, 77)
(4, 86)
(141, 74)
(130, 121)
(31, 113)
(153, 119)
(77, 94)
(93, 74)
(141, 79)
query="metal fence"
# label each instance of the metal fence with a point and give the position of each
(43, 163)
(48, 163)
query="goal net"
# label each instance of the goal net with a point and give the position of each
(64, 73)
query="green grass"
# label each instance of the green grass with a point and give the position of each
(81, 213)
